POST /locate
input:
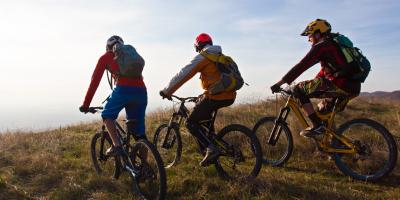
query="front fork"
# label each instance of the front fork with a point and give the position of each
(167, 141)
(276, 131)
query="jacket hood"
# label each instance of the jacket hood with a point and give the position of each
(213, 49)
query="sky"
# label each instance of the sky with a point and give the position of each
(49, 48)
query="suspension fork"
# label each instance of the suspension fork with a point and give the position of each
(168, 143)
(276, 131)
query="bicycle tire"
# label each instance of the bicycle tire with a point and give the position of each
(269, 152)
(388, 141)
(99, 144)
(255, 152)
(169, 160)
(147, 176)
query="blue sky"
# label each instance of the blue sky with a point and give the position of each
(49, 48)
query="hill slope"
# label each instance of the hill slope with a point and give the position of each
(56, 165)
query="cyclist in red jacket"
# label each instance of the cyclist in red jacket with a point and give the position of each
(333, 82)
(129, 93)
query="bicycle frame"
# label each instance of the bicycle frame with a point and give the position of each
(180, 116)
(324, 143)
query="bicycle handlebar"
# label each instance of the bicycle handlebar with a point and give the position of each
(95, 109)
(286, 92)
(184, 99)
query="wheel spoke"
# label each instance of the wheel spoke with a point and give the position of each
(278, 153)
(241, 145)
(376, 153)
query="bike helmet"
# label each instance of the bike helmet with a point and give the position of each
(112, 41)
(318, 25)
(202, 40)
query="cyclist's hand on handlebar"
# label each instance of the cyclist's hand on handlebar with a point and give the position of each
(163, 95)
(275, 88)
(84, 109)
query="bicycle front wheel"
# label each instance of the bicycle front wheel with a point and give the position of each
(103, 164)
(241, 157)
(151, 181)
(376, 150)
(278, 153)
(168, 143)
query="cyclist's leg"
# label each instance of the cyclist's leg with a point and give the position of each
(316, 88)
(110, 113)
(136, 110)
(203, 111)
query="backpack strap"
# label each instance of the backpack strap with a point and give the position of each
(220, 58)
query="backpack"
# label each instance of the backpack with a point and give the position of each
(231, 79)
(354, 57)
(130, 63)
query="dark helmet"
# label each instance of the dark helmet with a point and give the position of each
(202, 40)
(112, 41)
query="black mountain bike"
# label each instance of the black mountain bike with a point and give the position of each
(240, 149)
(361, 148)
(140, 160)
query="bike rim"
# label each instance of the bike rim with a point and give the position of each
(168, 153)
(240, 160)
(273, 154)
(104, 164)
(373, 157)
(147, 183)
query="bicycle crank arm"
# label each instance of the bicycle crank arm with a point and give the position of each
(135, 173)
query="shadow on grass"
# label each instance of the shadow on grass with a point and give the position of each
(287, 190)
(391, 180)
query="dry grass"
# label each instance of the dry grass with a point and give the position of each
(56, 164)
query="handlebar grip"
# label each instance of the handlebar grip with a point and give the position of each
(95, 109)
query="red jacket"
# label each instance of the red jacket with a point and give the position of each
(107, 61)
(332, 61)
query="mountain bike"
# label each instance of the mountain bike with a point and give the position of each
(361, 148)
(140, 160)
(240, 149)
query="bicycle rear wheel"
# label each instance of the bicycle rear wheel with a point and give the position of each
(377, 151)
(168, 143)
(103, 164)
(151, 181)
(241, 158)
(274, 154)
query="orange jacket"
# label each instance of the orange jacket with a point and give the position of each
(209, 74)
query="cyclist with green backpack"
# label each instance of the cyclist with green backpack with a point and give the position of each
(126, 66)
(220, 78)
(343, 68)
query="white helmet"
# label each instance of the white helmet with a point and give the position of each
(112, 41)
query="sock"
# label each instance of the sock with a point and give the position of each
(315, 120)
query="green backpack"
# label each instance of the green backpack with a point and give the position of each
(353, 56)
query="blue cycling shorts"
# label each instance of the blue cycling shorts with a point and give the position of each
(134, 100)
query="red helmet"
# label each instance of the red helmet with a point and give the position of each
(201, 41)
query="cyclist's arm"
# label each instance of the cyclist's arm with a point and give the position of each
(312, 57)
(95, 81)
(186, 73)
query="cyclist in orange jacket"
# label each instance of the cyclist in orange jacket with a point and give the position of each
(209, 74)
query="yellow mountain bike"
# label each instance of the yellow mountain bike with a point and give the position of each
(361, 148)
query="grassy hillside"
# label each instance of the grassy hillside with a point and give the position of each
(56, 164)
